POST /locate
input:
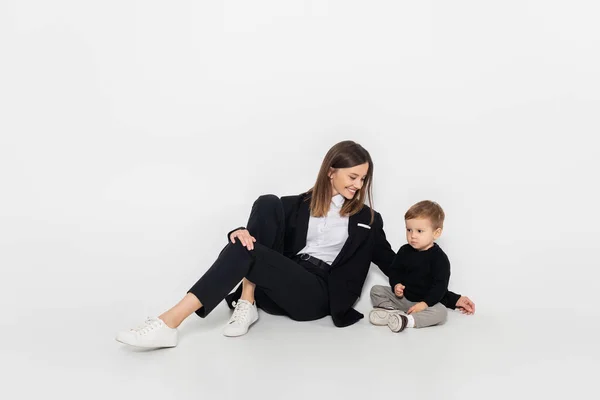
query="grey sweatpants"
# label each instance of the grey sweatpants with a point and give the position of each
(384, 297)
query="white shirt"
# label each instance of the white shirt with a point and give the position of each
(326, 235)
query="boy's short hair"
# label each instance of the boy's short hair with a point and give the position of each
(427, 209)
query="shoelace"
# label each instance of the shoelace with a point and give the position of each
(149, 325)
(240, 314)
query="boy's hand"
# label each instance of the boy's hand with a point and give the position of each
(465, 305)
(420, 306)
(399, 290)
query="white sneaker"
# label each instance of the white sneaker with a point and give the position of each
(152, 333)
(380, 316)
(244, 315)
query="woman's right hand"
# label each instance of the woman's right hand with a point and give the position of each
(244, 237)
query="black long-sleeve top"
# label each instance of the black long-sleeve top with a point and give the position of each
(425, 274)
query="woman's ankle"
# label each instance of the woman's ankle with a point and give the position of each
(247, 291)
(169, 321)
(248, 298)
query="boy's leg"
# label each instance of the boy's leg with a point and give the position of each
(435, 315)
(386, 303)
(383, 297)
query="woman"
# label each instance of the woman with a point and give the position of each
(304, 256)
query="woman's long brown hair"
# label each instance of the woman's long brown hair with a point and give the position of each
(346, 154)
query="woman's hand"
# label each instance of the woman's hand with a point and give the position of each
(244, 237)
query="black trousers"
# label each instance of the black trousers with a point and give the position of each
(284, 286)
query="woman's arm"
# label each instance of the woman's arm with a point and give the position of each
(383, 255)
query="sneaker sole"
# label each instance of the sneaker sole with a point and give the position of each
(395, 324)
(380, 316)
(146, 347)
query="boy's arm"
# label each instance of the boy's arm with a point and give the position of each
(440, 270)
(396, 270)
(395, 277)
(450, 299)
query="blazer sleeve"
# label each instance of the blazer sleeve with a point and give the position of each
(383, 255)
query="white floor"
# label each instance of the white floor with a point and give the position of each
(72, 354)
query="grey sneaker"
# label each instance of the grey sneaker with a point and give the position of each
(380, 316)
(397, 322)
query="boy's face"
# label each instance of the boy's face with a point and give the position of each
(420, 233)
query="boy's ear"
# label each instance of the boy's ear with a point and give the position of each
(437, 233)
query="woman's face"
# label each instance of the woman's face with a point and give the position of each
(348, 181)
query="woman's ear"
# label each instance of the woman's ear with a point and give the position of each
(331, 172)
